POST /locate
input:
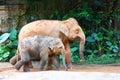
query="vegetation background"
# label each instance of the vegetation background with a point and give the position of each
(99, 19)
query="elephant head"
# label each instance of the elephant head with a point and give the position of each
(73, 31)
(56, 45)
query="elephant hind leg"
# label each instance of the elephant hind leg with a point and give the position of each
(25, 59)
(30, 64)
(13, 60)
(19, 64)
(26, 67)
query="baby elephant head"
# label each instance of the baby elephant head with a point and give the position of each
(56, 45)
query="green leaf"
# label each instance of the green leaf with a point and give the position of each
(15, 43)
(2, 49)
(115, 50)
(13, 34)
(95, 51)
(4, 37)
(97, 21)
(84, 14)
(90, 39)
(89, 51)
(74, 49)
(1, 58)
(108, 43)
(99, 36)
(5, 55)
(94, 34)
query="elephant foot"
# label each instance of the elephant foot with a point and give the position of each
(49, 67)
(82, 61)
(17, 67)
(26, 69)
(13, 61)
(30, 66)
(69, 66)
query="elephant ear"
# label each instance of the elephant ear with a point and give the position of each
(67, 25)
(71, 21)
(64, 31)
(50, 45)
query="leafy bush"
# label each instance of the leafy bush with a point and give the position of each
(101, 39)
(102, 42)
(96, 17)
(103, 59)
(8, 45)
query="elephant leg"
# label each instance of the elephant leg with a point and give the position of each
(50, 62)
(43, 61)
(19, 64)
(56, 62)
(13, 60)
(30, 64)
(25, 58)
(26, 67)
(67, 55)
(42, 64)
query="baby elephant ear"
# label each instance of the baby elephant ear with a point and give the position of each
(50, 46)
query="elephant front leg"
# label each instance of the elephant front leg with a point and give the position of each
(56, 62)
(67, 55)
(50, 62)
(43, 60)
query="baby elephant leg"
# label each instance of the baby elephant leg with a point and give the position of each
(50, 62)
(14, 59)
(26, 67)
(56, 62)
(30, 64)
(25, 58)
(19, 64)
(43, 61)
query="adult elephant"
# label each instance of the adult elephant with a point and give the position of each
(66, 30)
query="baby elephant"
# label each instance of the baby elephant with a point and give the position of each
(42, 47)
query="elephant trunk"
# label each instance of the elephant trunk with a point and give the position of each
(81, 45)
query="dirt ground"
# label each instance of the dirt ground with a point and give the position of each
(112, 68)
(83, 72)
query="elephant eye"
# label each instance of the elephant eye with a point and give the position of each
(77, 31)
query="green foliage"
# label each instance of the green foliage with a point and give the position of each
(8, 45)
(4, 37)
(102, 42)
(103, 59)
(96, 19)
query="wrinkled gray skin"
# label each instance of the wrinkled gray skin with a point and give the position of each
(39, 47)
